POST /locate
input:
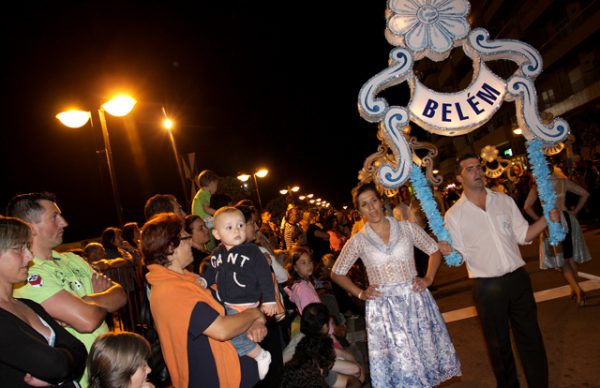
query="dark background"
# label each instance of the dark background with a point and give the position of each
(250, 84)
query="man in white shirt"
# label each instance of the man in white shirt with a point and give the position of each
(486, 228)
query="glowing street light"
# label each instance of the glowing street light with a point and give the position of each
(293, 189)
(261, 174)
(119, 106)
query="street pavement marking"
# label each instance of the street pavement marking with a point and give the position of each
(540, 296)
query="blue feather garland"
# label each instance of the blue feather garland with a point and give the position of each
(541, 172)
(434, 218)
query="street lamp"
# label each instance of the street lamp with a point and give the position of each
(168, 124)
(119, 106)
(261, 174)
(289, 190)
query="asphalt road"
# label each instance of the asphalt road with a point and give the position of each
(571, 333)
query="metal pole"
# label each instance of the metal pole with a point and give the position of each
(111, 167)
(179, 168)
(257, 193)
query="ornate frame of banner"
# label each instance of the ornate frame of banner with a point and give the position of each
(422, 28)
(489, 155)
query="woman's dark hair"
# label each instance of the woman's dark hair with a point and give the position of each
(295, 254)
(247, 211)
(361, 188)
(115, 357)
(160, 237)
(189, 221)
(109, 237)
(313, 359)
(159, 203)
(129, 230)
(314, 316)
(329, 222)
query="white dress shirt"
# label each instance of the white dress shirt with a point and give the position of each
(488, 239)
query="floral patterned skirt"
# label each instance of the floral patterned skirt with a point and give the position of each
(409, 344)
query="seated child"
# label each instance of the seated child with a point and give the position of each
(243, 278)
(119, 360)
(209, 183)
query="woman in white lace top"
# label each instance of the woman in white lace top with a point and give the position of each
(409, 345)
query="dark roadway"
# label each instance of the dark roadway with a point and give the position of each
(571, 333)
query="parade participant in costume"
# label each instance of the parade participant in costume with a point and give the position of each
(408, 342)
(486, 228)
(35, 348)
(194, 332)
(573, 248)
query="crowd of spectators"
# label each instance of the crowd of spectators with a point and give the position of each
(150, 280)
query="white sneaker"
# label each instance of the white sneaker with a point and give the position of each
(263, 360)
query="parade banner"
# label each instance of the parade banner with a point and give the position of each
(431, 29)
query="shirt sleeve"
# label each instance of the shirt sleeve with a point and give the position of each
(24, 349)
(280, 273)
(420, 238)
(202, 317)
(74, 350)
(454, 231)
(348, 256)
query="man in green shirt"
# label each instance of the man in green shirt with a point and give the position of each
(63, 283)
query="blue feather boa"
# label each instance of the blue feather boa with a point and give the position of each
(434, 218)
(541, 172)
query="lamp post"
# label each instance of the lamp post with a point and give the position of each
(289, 190)
(289, 199)
(168, 124)
(119, 106)
(261, 174)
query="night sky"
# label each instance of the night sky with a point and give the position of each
(249, 83)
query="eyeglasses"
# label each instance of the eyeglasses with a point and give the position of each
(183, 238)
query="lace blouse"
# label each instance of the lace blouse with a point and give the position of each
(386, 263)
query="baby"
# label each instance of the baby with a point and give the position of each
(243, 278)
